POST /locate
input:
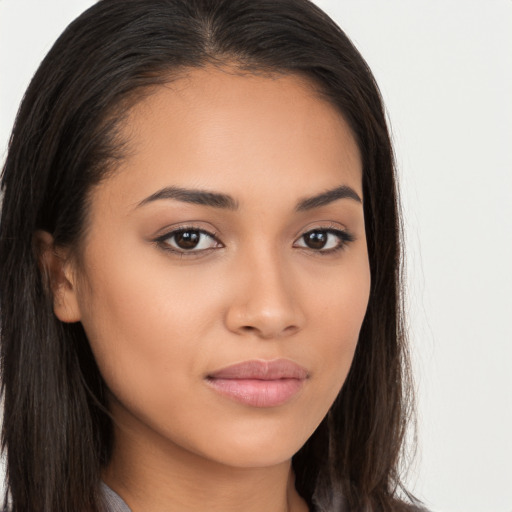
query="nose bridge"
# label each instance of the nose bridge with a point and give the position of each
(265, 303)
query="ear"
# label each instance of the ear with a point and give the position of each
(57, 269)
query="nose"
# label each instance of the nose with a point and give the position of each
(266, 303)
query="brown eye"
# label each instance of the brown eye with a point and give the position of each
(324, 240)
(188, 240)
(316, 239)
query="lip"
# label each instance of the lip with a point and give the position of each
(259, 383)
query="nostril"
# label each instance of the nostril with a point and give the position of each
(268, 333)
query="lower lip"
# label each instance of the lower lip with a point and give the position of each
(257, 393)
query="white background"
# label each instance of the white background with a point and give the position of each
(445, 70)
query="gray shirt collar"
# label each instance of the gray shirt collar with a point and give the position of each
(112, 500)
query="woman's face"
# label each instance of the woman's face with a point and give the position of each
(224, 275)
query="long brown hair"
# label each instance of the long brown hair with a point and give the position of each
(57, 431)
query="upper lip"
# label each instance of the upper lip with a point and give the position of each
(262, 370)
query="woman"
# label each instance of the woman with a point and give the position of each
(200, 268)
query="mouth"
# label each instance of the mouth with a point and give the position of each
(259, 383)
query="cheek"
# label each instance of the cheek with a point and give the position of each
(143, 324)
(339, 311)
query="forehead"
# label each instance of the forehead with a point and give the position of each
(223, 130)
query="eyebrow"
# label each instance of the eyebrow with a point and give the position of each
(219, 200)
(325, 198)
(185, 195)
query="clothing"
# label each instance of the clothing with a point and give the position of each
(112, 500)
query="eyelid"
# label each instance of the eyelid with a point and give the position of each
(161, 240)
(344, 235)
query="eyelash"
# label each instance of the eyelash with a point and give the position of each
(163, 241)
(344, 238)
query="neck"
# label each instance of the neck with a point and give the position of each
(154, 475)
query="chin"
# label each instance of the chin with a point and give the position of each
(256, 447)
(254, 457)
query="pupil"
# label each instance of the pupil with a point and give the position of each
(316, 239)
(187, 239)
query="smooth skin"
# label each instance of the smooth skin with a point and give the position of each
(248, 277)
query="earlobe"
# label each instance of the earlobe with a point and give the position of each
(58, 275)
